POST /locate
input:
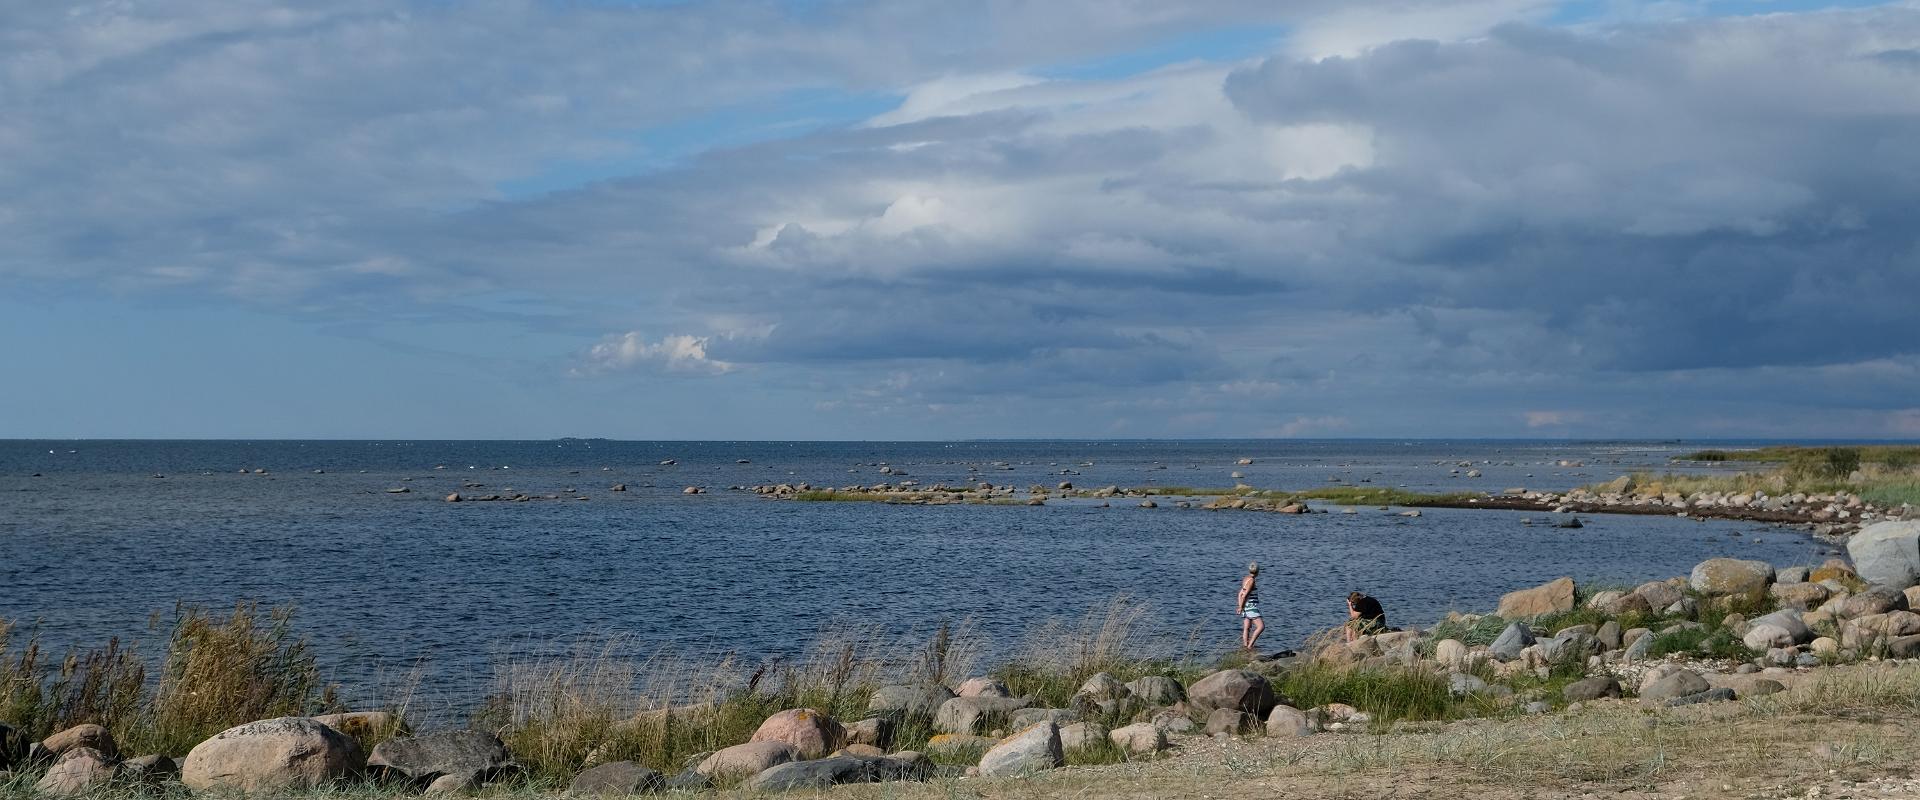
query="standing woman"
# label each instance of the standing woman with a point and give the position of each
(1250, 622)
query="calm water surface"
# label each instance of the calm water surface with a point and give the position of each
(110, 533)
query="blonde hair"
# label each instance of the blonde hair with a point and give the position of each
(1253, 568)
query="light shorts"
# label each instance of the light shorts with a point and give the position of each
(1251, 613)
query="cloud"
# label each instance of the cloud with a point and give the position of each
(1362, 232)
(675, 353)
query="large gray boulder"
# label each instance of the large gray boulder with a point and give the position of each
(1103, 687)
(913, 701)
(1237, 689)
(1887, 553)
(1288, 722)
(1659, 594)
(1782, 628)
(618, 779)
(971, 715)
(1679, 684)
(1877, 600)
(272, 755)
(1083, 735)
(1157, 690)
(1029, 751)
(431, 755)
(1723, 576)
(1515, 638)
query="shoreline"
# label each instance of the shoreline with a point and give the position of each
(1732, 633)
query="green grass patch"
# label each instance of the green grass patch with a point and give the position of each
(1480, 631)
(1389, 694)
(1849, 457)
(1715, 642)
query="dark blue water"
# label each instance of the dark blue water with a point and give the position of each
(112, 532)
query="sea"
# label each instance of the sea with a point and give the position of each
(107, 539)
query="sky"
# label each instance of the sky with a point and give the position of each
(910, 219)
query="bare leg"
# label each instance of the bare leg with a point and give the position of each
(1246, 635)
(1259, 625)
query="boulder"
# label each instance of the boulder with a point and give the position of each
(1679, 684)
(1639, 648)
(1103, 687)
(862, 750)
(1709, 696)
(1724, 576)
(1139, 739)
(1237, 689)
(1913, 596)
(746, 760)
(913, 701)
(1032, 750)
(1571, 646)
(876, 731)
(1515, 638)
(1231, 721)
(1804, 595)
(13, 748)
(1887, 553)
(1788, 619)
(1791, 574)
(1173, 721)
(1877, 600)
(1589, 689)
(363, 725)
(1462, 684)
(1287, 721)
(1451, 653)
(812, 734)
(80, 770)
(820, 774)
(1609, 636)
(1659, 594)
(1082, 735)
(1904, 647)
(1029, 717)
(1548, 598)
(153, 770)
(89, 736)
(984, 687)
(459, 784)
(969, 715)
(1764, 637)
(952, 745)
(1892, 623)
(1765, 686)
(272, 755)
(431, 755)
(1157, 690)
(1613, 603)
(618, 779)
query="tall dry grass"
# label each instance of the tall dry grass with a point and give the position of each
(219, 671)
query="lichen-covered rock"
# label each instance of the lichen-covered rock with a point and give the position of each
(1659, 594)
(272, 755)
(1616, 603)
(1029, 751)
(1238, 689)
(1549, 598)
(1877, 600)
(812, 734)
(1724, 576)
(1804, 595)
(876, 731)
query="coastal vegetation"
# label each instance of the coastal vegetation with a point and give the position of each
(1881, 475)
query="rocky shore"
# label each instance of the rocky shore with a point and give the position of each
(1833, 515)
(1729, 630)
